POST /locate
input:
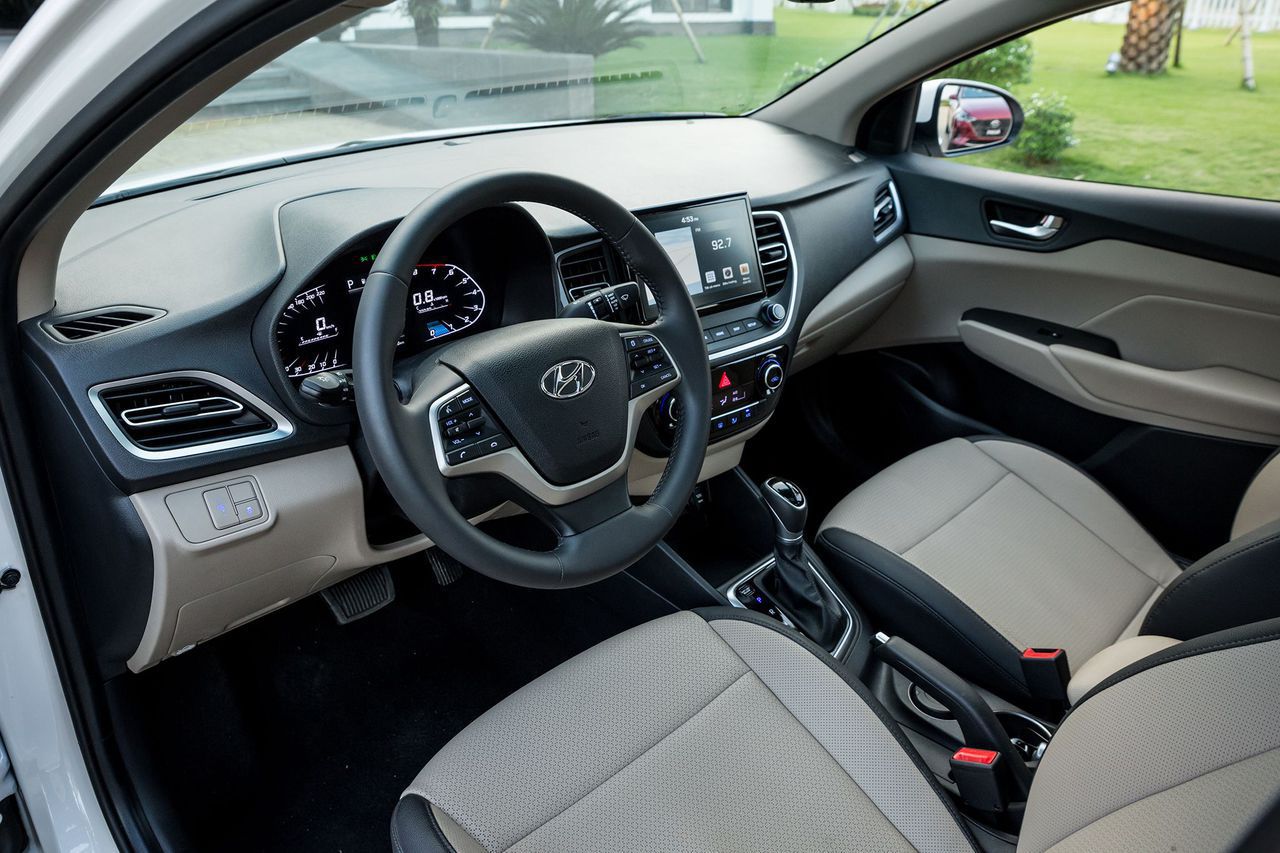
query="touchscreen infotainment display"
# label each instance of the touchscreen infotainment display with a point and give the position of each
(713, 247)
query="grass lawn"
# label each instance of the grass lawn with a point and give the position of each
(1192, 128)
(741, 73)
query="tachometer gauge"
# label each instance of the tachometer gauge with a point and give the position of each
(314, 333)
(443, 299)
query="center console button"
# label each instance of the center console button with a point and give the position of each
(720, 333)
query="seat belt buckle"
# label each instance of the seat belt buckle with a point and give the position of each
(1046, 674)
(979, 776)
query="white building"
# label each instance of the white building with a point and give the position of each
(465, 22)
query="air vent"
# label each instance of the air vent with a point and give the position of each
(103, 321)
(775, 251)
(172, 414)
(584, 270)
(885, 212)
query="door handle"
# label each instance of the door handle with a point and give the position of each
(1047, 227)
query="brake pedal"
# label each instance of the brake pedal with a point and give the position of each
(359, 596)
(444, 568)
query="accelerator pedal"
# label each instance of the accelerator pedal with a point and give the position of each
(359, 596)
(444, 568)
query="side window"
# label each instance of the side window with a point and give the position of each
(1153, 93)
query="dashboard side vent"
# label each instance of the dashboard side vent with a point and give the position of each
(101, 321)
(775, 250)
(175, 412)
(885, 211)
(584, 270)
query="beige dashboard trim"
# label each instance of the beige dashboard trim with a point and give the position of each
(853, 305)
(646, 470)
(313, 536)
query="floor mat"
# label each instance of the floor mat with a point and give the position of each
(295, 733)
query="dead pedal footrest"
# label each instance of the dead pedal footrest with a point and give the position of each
(359, 596)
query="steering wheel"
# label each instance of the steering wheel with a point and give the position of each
(551, 406)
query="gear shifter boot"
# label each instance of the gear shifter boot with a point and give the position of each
(793, 584)
(810, 605)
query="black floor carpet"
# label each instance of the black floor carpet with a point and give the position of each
(294, 733)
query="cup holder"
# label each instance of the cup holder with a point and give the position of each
(1028, 735)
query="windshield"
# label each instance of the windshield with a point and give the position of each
(442, 67)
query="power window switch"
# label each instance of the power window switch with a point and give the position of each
(242, 492)
(250, 510)
(221, 510)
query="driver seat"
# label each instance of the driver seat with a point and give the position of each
(722, 730)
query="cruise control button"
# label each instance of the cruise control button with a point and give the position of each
(665, 376)
(221, 510)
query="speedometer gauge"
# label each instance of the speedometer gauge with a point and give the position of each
(443, 299)
(313, 333)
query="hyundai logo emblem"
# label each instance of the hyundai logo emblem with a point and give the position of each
(568, 379)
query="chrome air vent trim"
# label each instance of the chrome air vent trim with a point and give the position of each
(283, 426)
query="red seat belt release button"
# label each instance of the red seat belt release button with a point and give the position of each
(978, 775)
(1046, 673)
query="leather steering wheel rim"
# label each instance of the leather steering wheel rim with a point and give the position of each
(402, 436)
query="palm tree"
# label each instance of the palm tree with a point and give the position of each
(1148, 34)
(426, 21)
(572, 26)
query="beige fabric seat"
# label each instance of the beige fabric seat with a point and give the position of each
(977, 549)
(723, 731)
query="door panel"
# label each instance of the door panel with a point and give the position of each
(1198, 338)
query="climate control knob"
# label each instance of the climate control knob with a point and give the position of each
(771, 374)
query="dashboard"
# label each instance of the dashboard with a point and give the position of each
(236, 291)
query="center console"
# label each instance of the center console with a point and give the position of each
(743, 393)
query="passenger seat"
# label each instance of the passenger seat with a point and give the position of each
(976, 549)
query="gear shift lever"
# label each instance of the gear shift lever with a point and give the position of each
(790, 512)
(811, 606)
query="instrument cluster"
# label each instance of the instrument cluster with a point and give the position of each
(315, 330)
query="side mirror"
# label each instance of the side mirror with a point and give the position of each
(964, 116)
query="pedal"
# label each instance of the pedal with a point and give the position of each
(444, 568)
(359, 596)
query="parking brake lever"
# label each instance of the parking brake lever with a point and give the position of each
(978, 723)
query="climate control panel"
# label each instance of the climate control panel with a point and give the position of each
(743, 393)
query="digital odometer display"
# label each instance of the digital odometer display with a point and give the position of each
(315, 329)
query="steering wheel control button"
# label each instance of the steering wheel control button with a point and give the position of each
(221, 509)
(470, 432)
(650, 366)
